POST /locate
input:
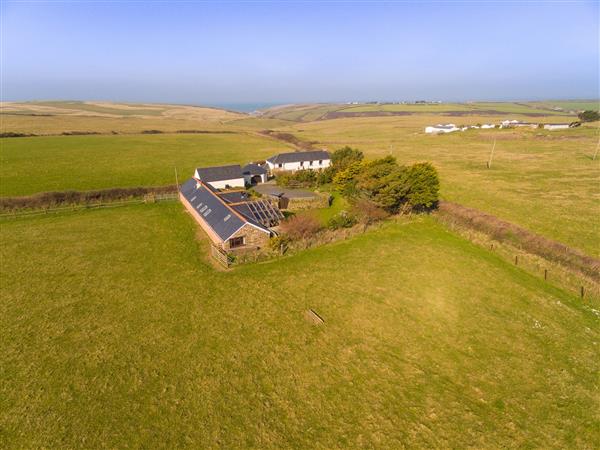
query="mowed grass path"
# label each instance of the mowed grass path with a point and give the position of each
(545, 181)
(58, 163)
(117, 334)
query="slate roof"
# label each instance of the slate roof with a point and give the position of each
(219, 173)
(234, 196)
(314, 155)
(253, 169)
(214, 211)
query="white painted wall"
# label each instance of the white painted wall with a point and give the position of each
(305, 165)
(561, 126)
(235, 182)
(435, 129)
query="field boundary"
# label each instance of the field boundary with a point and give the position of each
(53, 201)
(521, 238)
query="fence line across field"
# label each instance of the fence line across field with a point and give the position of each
(39, 212)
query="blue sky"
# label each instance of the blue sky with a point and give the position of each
(235, 52)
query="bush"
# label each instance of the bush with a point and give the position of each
(301, 178)
(341, 220)
(424, 185)
(368, 212)
(342, 158)
(589, 116)
(279, 243)
(300, 227)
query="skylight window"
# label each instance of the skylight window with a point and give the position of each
(203, 208)
(207, 212)
(193, 198)
(227, 217)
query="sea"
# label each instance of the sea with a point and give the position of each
(244, 107)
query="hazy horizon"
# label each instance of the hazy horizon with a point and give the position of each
(280, 53)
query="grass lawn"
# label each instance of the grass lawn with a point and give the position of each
(116, 333)
(338, 204)
(543, 180)
(58, 163)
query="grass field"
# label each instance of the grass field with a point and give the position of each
(544, 181)
(117, 334)
(58, 163)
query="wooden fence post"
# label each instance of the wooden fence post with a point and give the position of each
(516, 260)
(582, 292)
(545, 274)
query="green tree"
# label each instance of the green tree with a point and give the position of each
(342, 158)
(589, 116)
(424, 185)
(345, 181)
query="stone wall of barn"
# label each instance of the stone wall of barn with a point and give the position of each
(253, 238)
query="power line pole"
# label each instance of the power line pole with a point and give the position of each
(489, 163)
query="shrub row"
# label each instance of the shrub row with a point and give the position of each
(512, 234)
(65, 198)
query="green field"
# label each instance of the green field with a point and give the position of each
(544, 181)
(58, 163)
(116, 333)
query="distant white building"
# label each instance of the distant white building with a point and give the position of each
(441, 128)
(517, 123)
(312, 160)
(556, 126)
(488, 125)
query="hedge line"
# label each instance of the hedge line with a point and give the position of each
(507, 232)
(64, 198)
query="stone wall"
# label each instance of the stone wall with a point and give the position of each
(254, 238)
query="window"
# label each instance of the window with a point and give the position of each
(280, 165)
(236, 242)
(227, 217)
(320, 162)
(301, 163)
(310, 163)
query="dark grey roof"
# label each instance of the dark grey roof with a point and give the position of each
(234, 196)
(298, 156)
(253, 169)
(219, 173)
(215, 213)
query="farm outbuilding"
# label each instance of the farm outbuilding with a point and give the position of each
(556, 126)
(221, 177)
(441, 128)
(311, 160)
(230, 219)
(254, 174)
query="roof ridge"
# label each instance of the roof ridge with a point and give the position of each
(240, 216)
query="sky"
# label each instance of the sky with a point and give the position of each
(194, 52)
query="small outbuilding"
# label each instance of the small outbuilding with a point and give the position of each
(441, 128)
(556, 126)
(254, 174)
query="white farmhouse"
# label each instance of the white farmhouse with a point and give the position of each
(488, 125)
(556, 126)
(312, 160)
(221, 177)
(441, 128)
